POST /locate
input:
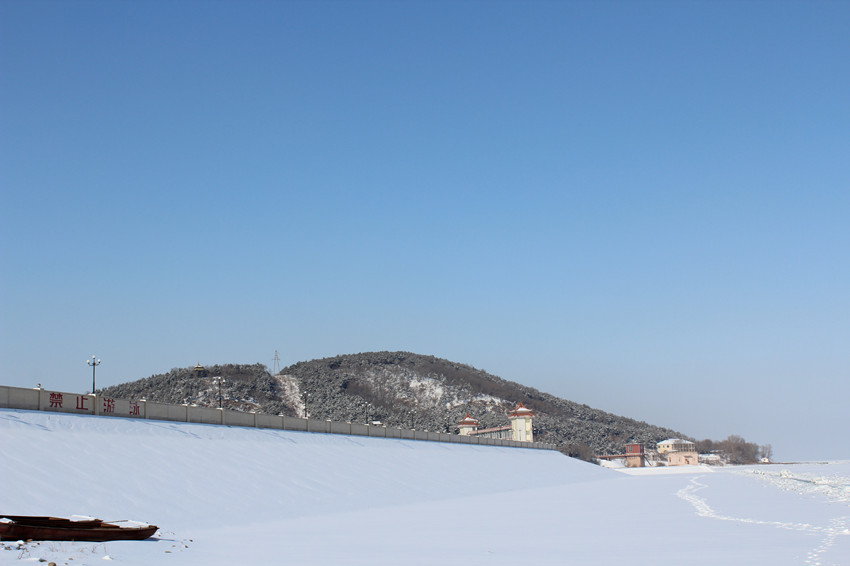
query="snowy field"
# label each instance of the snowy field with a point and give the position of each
(231, 496)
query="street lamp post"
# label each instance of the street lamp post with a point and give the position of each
(219, 380)
(93, 362)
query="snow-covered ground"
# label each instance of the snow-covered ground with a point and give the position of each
(227, 496)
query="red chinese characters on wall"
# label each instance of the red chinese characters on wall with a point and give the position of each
(134, 408)
(56, 400)
(81, 402)
(109, 405)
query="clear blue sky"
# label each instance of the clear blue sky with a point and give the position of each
(641, 206)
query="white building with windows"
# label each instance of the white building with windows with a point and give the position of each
(678, 452)
(520, 429)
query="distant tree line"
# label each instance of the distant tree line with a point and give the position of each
(735, 450)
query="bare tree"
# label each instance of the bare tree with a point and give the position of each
(739, 451)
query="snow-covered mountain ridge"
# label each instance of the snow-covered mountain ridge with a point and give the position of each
(399, 389)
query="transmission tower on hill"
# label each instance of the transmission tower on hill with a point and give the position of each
(276, 363)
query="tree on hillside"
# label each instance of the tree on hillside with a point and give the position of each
(579, 450)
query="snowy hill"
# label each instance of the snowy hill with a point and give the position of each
(224, 496)
(400, 389)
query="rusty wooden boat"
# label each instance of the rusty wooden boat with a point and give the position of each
(24, 527)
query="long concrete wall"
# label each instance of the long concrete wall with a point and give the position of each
(82, 404)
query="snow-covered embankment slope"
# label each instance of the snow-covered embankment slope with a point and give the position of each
(244, 496)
